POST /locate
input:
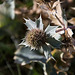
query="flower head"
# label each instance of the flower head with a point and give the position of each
(36, 37)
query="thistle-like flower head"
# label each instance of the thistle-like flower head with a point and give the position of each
(36, 37)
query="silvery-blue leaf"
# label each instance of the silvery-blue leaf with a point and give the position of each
(47, 51)
(24, 55)
(30, 24)
(7, 8)
(53, 42)
(39, 23)
(57, 36)
(51, 30)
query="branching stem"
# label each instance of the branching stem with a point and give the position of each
(71, 27)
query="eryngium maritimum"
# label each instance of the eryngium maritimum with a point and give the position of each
(38, 39)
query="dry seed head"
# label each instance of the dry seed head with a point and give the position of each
(36, 38)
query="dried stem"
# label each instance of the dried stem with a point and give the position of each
(71, 27)
(59, 20)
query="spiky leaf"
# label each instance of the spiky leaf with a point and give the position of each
(24, 56)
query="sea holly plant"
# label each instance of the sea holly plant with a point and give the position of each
(36, 45)
(44, 45)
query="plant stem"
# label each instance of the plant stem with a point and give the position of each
(8, 65)
(59, 20)
(18, 69)
(71, 27)
(44, 69)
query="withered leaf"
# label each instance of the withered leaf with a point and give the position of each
(72, 21)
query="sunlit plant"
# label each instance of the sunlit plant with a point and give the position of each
(44, 45)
